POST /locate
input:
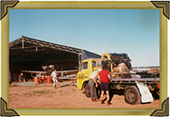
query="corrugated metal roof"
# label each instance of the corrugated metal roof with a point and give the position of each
(30, 44)
(41, 43)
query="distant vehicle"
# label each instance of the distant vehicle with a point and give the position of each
(123, 81)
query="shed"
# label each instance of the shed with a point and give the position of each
(31, 54)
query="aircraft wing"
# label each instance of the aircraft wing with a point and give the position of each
(67, 72)
(60, 73)
(33, 72)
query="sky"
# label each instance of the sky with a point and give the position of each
(131, 31)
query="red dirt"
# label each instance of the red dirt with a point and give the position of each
(64, 96)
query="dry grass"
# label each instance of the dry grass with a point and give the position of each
(38, 93)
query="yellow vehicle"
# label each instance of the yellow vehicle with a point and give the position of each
(122, 81)
(86, 68)
(89, 65)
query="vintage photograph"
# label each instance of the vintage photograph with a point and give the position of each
(84, 58)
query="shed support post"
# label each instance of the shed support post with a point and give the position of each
(22, 43)
(79, 58)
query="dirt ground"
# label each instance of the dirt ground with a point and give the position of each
(66, 95)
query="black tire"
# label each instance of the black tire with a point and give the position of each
(132, 95)
(87, 90)
(156, 93)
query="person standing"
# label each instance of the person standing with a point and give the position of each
(104, 77)
(21, 77)
(92, 82)
(54, 76)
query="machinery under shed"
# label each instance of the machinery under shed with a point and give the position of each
(31, 54)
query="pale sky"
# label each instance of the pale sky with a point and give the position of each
(131, 31)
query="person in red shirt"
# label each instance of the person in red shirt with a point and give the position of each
(104, 77)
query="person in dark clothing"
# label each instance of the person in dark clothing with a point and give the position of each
(21, 77)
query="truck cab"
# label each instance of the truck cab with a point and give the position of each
(86, 68)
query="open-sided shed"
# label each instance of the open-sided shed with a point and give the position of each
(31, 54)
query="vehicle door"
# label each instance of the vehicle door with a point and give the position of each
(82, 75)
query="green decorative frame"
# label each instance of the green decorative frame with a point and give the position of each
(5, 5)
(164, 111)
(10, 4)
(164, 5)
(5, 111)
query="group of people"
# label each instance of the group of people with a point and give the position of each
(103, 77)
(53, 75)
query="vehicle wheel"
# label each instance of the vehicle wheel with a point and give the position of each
(87, 90)
(156, 93)
(132, 95)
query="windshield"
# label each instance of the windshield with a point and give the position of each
(84, 66)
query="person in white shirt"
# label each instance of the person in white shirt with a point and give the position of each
(54, 76)
(92, 82)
